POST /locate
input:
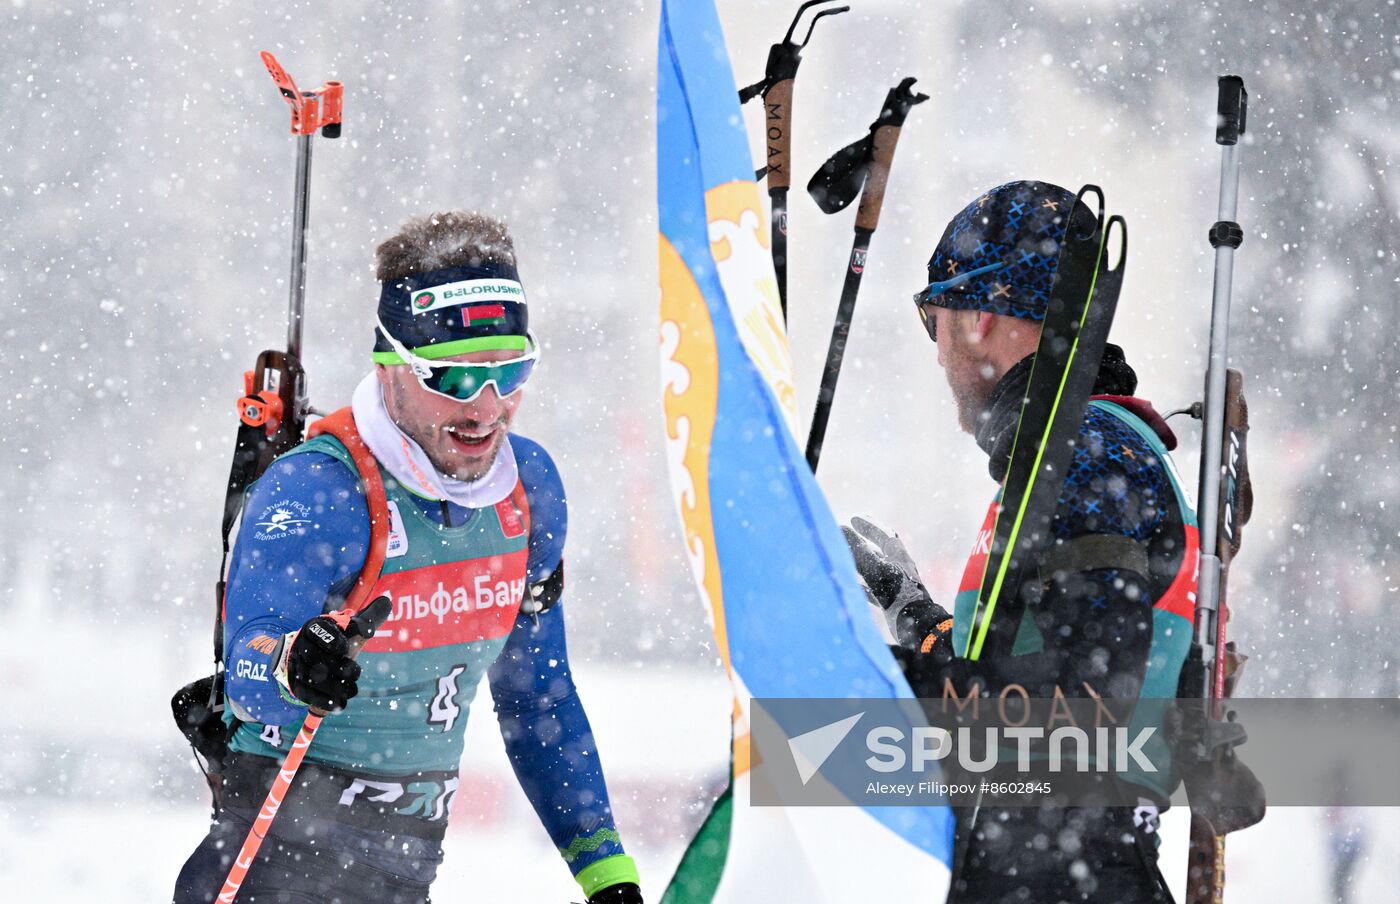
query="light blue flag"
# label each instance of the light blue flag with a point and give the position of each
(772, 567)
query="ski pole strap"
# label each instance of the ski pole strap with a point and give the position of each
(1094, 552)
(341, 425)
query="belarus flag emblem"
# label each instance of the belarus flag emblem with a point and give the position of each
(483, 314)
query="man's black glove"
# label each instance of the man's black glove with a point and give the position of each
(1221, 789)
(892, 583)
(622, 893)
(315, 666)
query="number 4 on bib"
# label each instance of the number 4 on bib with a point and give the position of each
(444, 707)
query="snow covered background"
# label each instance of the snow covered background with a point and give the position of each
(145, 183)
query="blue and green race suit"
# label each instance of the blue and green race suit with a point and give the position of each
(456, 578)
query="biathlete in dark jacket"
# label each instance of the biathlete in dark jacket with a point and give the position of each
(1113, 617)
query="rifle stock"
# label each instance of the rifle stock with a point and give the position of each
(1205, 876)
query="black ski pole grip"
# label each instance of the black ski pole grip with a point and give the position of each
(1230, 108)
(368, 619)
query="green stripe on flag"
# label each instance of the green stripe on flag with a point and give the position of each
(702, 866)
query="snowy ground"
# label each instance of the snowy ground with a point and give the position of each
(122, 854)
(108, 809)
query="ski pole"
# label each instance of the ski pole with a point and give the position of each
(776, 88)
(365, 622)
(862, 166)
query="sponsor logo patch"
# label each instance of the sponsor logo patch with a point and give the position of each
(254, 671)
(281, 519)
(398, 537)
(483, 314)
(460, 602)
(512, 525)
(476, 292)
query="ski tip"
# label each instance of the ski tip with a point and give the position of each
(1121, 257)
(1088, 189)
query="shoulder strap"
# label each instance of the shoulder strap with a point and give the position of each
(1094, 552)
(252, 452)
(341, 425)
(522, 505)
(539, 597)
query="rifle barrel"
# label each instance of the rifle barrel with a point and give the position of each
(1225, 236)
(296, 301)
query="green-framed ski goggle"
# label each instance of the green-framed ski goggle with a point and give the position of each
(924, 300)
(461, 381)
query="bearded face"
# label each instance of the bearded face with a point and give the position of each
(461, 439)
(962, 354)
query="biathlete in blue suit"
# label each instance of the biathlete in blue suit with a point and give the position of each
(473, 566)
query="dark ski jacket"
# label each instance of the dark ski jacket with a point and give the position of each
(1120, 632)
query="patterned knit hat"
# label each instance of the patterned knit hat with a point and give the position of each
(1001, 251)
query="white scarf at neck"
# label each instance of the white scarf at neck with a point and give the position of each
(406, 462)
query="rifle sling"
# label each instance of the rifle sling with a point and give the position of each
(341, 425)
(1094, 552)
